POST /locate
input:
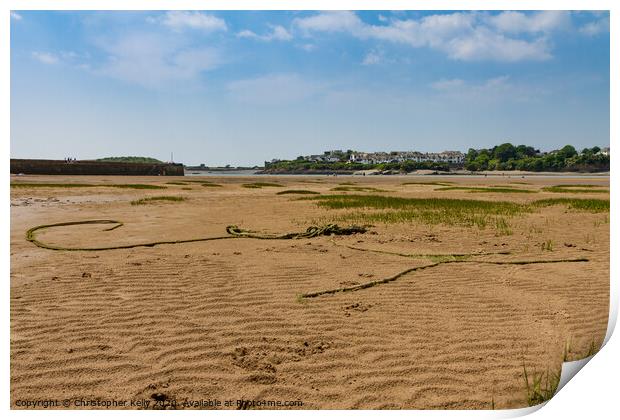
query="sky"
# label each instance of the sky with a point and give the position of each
(243, 87)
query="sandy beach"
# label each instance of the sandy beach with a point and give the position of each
(228, 320)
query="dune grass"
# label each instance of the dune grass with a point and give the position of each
(261, 185)
(359, 189)
(149, 200)
(576, 189)
(48, 185)
(176, 183)
(296, 192)
(210, 185)
(488, 189)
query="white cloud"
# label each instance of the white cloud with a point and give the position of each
(278, 33)
(499, 88)
(372, 58)
(483, 44)
(45, 57)
(462, 36)
(543, 21)
(274, 89)
(330, 22)
(152, 61)
(596, 27)
(16, 16)
(179, 20)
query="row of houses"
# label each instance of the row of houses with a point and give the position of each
(397, 157)
(333, 156)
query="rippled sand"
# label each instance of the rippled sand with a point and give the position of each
(222, 320)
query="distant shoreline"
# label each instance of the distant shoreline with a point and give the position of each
(421, 173)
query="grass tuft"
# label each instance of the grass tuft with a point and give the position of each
(360, 189)
(130, 186)
(592, 205)
(488, 189)
(296, 192)
(261, 185)
(540, 387)
(502, 227)
(576, 188)
(547, 245)
(156, 198)
(442, 183)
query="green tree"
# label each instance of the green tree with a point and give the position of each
(504, 151)
(567, 151)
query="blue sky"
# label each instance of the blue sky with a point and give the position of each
(243, 87)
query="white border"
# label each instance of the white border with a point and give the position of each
(592, 395)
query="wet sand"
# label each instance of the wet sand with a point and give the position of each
(223, 319)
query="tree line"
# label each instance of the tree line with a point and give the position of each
(507, 157)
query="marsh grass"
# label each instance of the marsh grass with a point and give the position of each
(540, 387)
(430, 211)
(296, 192)
(261, 185)
(370, 209)
(579, 186)
(148, 200)
(592, 205)
(358, 189)
(128, 186)
(573, 190)
(502, 227)
(488, 189)
(442, 183)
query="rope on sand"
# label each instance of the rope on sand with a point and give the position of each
(423, 267)
(311, 232)
(234, 232)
